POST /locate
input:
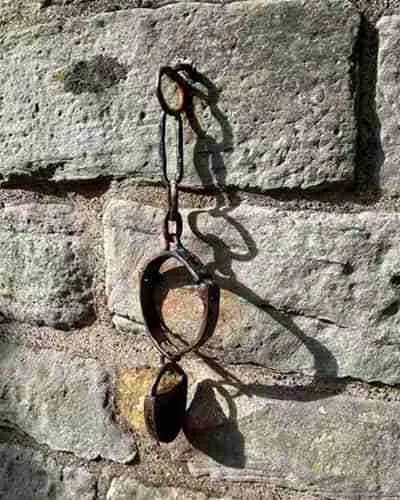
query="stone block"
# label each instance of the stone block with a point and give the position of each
(338, 447)
(78, 99)
(302, 290)
(388, 96)
(62, 401)
(45, 277)
(25, 474)
(126, 488)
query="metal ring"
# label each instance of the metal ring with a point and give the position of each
(173, 75)
(209, 293)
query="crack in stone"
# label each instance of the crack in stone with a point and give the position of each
(313, 316)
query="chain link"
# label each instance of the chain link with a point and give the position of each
(179, 148)
(173, 224)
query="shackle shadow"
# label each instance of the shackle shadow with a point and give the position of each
(222, 440)
(209, 163)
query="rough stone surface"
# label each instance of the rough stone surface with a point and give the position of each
(388, 95)
(125, 488)
(27, 475)
(44, 274)
(307, 291)
(78, 483)
(281, 71)
(61, 401)
(339, 446)
(24, 476)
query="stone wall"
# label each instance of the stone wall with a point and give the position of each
(291, 199)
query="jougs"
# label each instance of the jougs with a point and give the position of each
(165, 405)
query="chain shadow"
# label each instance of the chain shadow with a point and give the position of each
(208, 428)
(325, 364)
(221, 439)
(208, 150)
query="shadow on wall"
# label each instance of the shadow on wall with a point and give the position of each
(208, 150)
(369, 155)
(221, 439)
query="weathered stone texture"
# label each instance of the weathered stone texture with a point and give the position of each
(125, 488)
(44, 274)
(27, 475)
(78, 483)
(340, 447)
(78, 101)
(388, 98)
(303, 291)
(61, 401)
(23, 476)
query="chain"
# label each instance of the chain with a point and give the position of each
(165, 412)
(173, 224)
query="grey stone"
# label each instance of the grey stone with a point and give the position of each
(19, 13)
(388, 94)
(64, 402)
(281, 69)
(125, 488)
(13, 12)
(124, 325)
(27, 475)
(341, 447)
(302, 291)
(24, 475)
(78, 483)
(45, 277)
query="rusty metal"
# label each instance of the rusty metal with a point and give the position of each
(164, 411)
(172, 231)
(181, 94)
(207, 290)
(172, 226)
(179, 149)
